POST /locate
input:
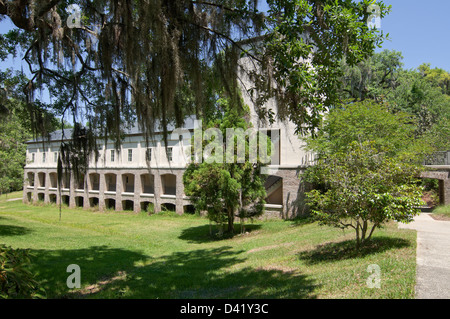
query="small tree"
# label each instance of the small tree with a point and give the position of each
(363, 189)
(367, 169)
(226, 190)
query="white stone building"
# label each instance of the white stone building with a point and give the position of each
(124, 180)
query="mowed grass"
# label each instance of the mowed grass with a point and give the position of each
(442, 212)
(126, 255)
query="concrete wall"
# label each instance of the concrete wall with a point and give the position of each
(120, 195)
(441, 173)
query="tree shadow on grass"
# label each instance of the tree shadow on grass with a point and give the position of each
(96, 263)
(209, 233)
(302, 220)
(113, 273)
(209, 273)
(12, 230)
(344, 250)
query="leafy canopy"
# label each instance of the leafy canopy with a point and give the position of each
(145, 61)
(367, 169)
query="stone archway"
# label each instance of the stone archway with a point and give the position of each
(443, 175)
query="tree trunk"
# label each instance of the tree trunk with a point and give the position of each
(230, 221)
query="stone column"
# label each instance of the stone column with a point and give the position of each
(47, 187)
(119, 190)
(87, 186)
(158, 191)
(180, 192)
(72, 190)
(102, 189)
(35, 190)
(137, 192)
(446, 191)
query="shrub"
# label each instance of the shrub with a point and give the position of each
(16, 279)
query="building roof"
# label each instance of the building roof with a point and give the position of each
(189, 124)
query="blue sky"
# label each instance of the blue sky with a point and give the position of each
(417, 28)
(420, 30)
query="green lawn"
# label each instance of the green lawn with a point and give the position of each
(442, 212)
(125, 255)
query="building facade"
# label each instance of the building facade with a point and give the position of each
(139, 176)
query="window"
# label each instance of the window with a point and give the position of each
(32, 157)
(112, 155)
(130, 155)
(55, 157)
(43, 157)
(170, 153)
(148, 154)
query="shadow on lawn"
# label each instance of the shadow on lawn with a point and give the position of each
(203, 273)
(347, 250)
(202, 234)
(11, 230)
(208, 273)
(96, 263)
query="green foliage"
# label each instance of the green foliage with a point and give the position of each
(422, 93)
(368, 122)
(226, 190)
(437, 76)
(306, 42)
(372, 77)
(366, 170)
(16, 280)
(12, 154)
(363, 190)
(438, 136)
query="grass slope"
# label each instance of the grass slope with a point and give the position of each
(442, 213)
(125, 255)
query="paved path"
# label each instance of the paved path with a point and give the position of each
(433, 257)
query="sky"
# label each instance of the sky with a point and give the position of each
(417, 28)
(420, 30)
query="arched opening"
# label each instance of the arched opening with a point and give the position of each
(148, 183)
(65, 180)
(147, 207)
(189, 209)
(94, 180)
(111, 182)
(41, 197)
(53, 180)
(30, 177)
(79, 201)
(274, 190)
(128, 205)
(52, 198)
(65, 199)
(128, 183)
(168, 207)
(110, 203)
(93, 202)
(29, 197)
(169, 184)
(41, 179)
(80, 182)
